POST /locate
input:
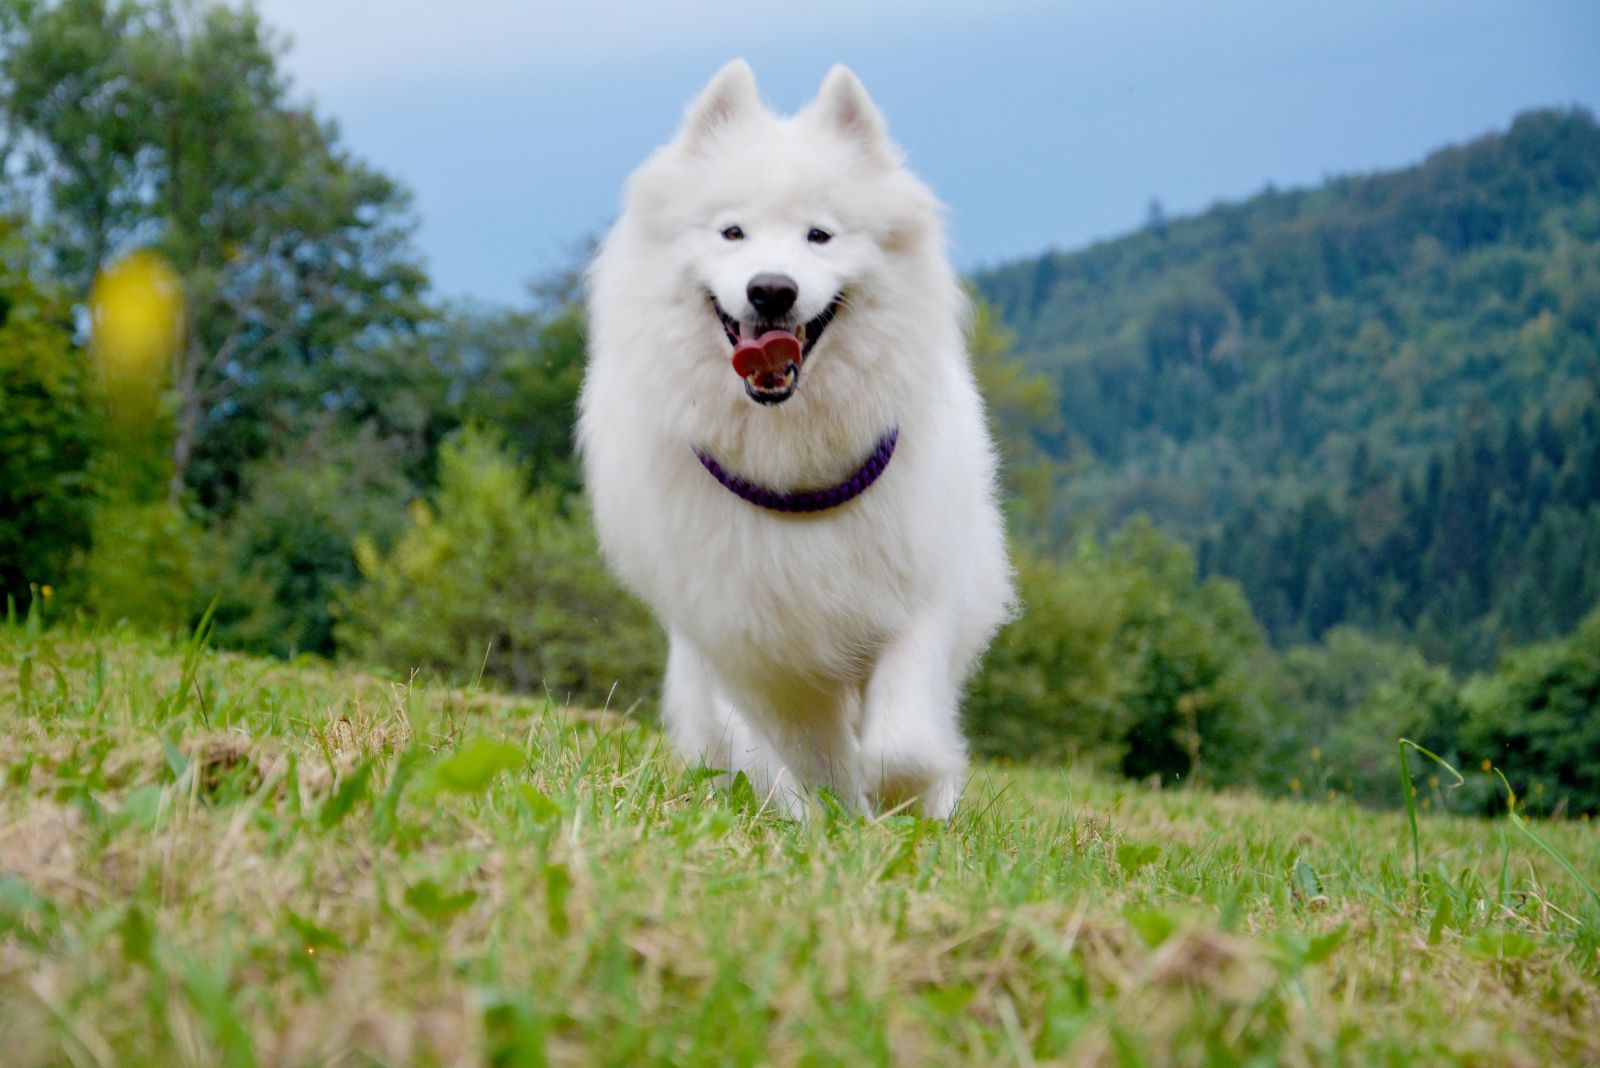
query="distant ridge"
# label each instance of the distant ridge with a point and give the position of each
(1254, 357)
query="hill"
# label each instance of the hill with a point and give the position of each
(210, 859)
(1304, 358)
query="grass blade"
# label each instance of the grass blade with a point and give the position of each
(1411, 795)
(1539, 840)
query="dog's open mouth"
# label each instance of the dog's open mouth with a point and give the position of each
(768, 356)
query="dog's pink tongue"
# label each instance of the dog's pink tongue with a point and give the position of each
(769, 353)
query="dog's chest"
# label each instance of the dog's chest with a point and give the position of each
(822, 590)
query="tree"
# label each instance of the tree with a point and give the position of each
(168, 124)
(48, 409)
(1023, 412)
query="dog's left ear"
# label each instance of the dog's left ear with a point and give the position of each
(843, 103)
(729, 97)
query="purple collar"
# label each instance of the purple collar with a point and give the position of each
(808, 500)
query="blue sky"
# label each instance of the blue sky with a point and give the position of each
(1042, 125)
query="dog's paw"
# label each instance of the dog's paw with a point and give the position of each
(925, 779)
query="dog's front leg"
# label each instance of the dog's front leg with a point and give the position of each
(911, 745)
(705, 727)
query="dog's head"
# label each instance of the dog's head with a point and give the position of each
(782, 233)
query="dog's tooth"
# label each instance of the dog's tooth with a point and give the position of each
(800, 333)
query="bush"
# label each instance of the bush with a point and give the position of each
(1538, 720)
(1052, 686)
(141, 565)
(1420, 702)
(47, 409)
(1317, 693)
(498, 578)
(1122, 656)
(286, 556)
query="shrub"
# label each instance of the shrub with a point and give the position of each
(47, 410)
(285, 557)
(1419, 701)
(1317, 693)
(496, 577)
(1052, 687)
(1538, 719)
(1122, 656)
(141, 565)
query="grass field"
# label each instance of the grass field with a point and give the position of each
(206, 859)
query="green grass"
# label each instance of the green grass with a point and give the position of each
(206, 859)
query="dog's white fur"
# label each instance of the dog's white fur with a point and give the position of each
(806, 651)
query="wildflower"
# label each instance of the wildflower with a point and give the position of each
(47, 590)
(1486, 765)
(1294, 784)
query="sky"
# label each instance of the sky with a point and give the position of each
(1041, 125)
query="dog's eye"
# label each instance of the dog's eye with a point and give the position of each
(733, 233)
(819, 237)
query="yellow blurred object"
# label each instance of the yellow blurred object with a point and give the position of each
(136, 308)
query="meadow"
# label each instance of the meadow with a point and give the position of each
(212, 859)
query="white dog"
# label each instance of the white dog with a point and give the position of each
(787, 453)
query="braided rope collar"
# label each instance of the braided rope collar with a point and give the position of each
(803, 501)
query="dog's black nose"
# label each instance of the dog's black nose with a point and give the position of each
(772, 295)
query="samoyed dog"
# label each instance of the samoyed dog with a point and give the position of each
(787, 454)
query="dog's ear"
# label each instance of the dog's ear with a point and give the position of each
(843, 103)
(728, 97)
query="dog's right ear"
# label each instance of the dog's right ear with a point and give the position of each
(728, 97)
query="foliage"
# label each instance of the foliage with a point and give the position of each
(1279, 379)
(1497, 542)
(48, 404)
(494, 577)
(1421, 702)
(1345, 703)
(1022, 408)
(515, 369)
(169, 124)
(520, 372)
(284, 558)
(142, 565)
(1536, 720)
(1196, 705)
(1051, 686)
(1124, 657)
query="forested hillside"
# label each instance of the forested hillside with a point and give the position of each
(1371, 402)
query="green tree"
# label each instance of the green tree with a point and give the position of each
(1024, 412)
(159, 122)
(1196, 700)
(48, 409)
